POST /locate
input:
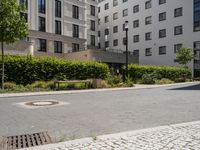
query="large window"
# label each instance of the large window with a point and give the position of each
(92, 10)
(58, 28)
(75, 31)
(58, 47)
(42, 24)
(42, 45)
(196, 15)
(42, 6)
(75, 12)
(75, 47)
(58, 8)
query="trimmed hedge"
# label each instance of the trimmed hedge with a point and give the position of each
(26, 70)
(137, 71)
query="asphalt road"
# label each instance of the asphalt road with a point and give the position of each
(97, 113)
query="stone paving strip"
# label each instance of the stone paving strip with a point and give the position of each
(136, 87)
(185, 136)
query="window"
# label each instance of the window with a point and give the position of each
(196, 15)
(136, 52)
(135, 23)
(106, 19)
(125, 1)
(106, 6)
(115, 16)
(24, 2)
(135, 8)
(92, 40)
(162, 2)
(92, 10)
(58, 8)
(148, 20)
(125, 12)
(162, 50)
(162, 16)
(177, 47)
(58, 47)
(162, 33)
(42, 24)
(148, 52)
(75, 31)
(106, 31)
(58, 29)
(178, 12)
(115, 3)
(148, 4)
(75, 47)
(42, 45)
(92, 25)
(24, 15)
(124, 41)
(115, 29)
(197, 45)
(99, 9)
(106, 44)
(41, 6)
(99, 33)
(178, 30)
(136, 38)
(148, 36)
(115, 42)
(75, 13)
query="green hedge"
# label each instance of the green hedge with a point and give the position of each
(137, 71)
(26, 70)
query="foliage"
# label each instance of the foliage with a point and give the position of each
(184, 56)
(9, 85)
(164, 81)
(137, 71)
(26, 70)
(149, 78)
(13, 27)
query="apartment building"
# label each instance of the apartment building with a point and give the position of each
(57, 27)
(157, 29)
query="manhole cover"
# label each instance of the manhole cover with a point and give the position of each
(25, 141)
(42, 103)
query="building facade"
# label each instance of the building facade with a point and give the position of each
(57, 27)
(157, 28)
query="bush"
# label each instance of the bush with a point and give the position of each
(164, 81)
(149, 78)
(27, 70)
(9, 85)
(137, 71)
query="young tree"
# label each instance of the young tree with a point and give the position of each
(184, 56)
(13, 27)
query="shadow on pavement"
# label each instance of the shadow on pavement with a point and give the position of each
(193, 87)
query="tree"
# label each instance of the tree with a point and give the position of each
(13, 27)
(184, 56)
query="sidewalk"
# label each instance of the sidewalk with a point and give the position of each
(136, 87)
(185, 136)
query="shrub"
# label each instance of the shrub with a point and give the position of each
(39, 84)
(164, 81)
(9, 85)
(26, 70)
(137, 71)
(149, 78)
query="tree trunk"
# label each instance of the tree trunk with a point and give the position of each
(2, 55)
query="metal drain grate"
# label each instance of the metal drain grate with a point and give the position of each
(25, 141)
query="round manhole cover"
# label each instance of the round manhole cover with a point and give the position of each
(42, 103)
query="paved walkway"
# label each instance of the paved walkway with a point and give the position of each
(184, 136)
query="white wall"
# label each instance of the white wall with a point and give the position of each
(187, 38)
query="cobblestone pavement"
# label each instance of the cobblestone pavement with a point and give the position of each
(184, 136)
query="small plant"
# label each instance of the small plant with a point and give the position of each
(39, 84)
